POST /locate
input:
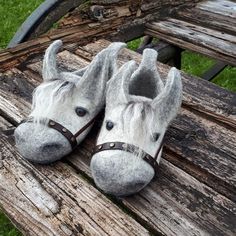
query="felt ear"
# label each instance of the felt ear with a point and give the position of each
(98, 72)
(118, 86)
(168, 102)
(50, 70)
(146, 80)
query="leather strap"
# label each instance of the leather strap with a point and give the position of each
(159, 148)
(64, 131)
(85, 127)
(131, 149)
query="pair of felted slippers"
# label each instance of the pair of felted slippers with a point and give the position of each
(139, 108)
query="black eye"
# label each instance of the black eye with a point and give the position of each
(109, 125)
(80, 111)
(156, 136)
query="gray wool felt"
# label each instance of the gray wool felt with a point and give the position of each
(139, 105)
(57, 98)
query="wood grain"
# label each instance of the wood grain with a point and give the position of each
(207, 27)
(120, 21)
(196, 38)
(175, 203)
(196, 181)
(55, 200)
(222, 7)
(207, 19)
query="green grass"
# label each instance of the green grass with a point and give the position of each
(14, 12)
(6, 228)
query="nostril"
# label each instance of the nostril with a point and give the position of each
(50, 147)
(130, 188)
(136, 185)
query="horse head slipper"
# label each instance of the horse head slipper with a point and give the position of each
(139, 108)
(64, 106)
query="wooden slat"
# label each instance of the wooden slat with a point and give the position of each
(196, 38)
(177, 203)
(4, 124)
(54, 200)
(147, 5)
(228, 38)
(122, 21)
(68, 62)
(158, 205)
(9, 108)
(207, 19)
(222, 7)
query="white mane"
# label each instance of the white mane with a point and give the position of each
(51, 93)
(137, 121)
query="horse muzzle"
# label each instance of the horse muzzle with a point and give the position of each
(120, 173)
(40, 144)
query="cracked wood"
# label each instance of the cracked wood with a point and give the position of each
(176, 202)
(55, 200)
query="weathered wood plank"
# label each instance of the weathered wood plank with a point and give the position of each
(13, 107)
(147, 5)
(170, 207)
(195, 38)
(205, 150)
(121, 21)
(175, 203)
(54, 200)
(187, 203)
(173, 213)
(207, 19)
(222, 7)
(228, 38)
(4, 124)
(190, 46)
(68, 62)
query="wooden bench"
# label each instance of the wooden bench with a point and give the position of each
(195, 191)
(207, 27)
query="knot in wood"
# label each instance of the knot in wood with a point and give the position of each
(97, 12)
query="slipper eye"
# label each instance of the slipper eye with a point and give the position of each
(156, 136)
(109, 125)
(80, 111)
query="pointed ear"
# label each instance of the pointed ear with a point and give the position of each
(146, 80)
(50, 70)
(99, 71)
(118, 86)
(167, 104)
